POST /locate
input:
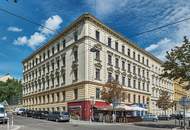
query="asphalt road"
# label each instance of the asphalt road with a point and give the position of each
(23, 123)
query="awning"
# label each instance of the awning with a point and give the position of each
(103, 106)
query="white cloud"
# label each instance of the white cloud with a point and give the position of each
(175, 38)
(14, 29)
(42, 34)
(4, 38)
(52, 23)
(106, 7)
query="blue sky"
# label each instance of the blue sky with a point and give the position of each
(18, 38)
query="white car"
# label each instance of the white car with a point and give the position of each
(20, 111)
(3, 114)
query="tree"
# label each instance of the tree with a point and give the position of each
(177, 64)
(112, 92)
(164, 101)
(9, 89)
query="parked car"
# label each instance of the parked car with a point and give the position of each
(20, 111)
(3, 114)
(28, 113)
(40, 114)
(150, 117)
(58, 116)
(164, 117)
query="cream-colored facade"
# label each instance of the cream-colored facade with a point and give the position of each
(67, 69)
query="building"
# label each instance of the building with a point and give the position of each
(179, 92)
(5, 78)
(68, 72)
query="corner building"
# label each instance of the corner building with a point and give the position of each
(68, 72)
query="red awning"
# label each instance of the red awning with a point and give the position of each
(103, 105)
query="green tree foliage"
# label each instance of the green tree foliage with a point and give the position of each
(10, 88)
(164, 102)
(177, 64)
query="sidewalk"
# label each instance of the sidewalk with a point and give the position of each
(4, 127)
(79, 122)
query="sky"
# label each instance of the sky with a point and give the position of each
(18, 38)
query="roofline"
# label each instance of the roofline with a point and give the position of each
(91, 17)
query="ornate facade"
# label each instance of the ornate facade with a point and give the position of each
(68, 72)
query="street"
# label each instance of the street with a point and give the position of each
(23, 123)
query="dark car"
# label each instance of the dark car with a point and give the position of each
(58, 116)
(28, 113)
(164, 117)
(40, 114)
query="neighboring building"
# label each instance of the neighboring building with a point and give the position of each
(5, 78)
(68, 72)
(179, 92)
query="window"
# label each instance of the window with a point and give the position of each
(52, 97)
(139, 85)
(139, 71)
(129, 52)
(116, 62)
(129, 97)
(143, 72)
(134, 69)
(63, 59)
(116, 46)
(143, 86)
(44, 56)
(76, 55)
(109, 42)
(134, 98)
(57, 80)
(47, 65)
(52, 65)
(148, 87)
(97, 74)
(63, 78)
(143, 59)
(75, 34)
(75, 93)
(147, 62)
(147, 74)
(139, 99)
(134, 55)
(97, 93)
(48, 53)
(75, 74)
(58, 47)
(109, 77)
(58, 65)
(129, 82)
(63, 94)
(109, 60)
(57, 94)
(123, 65)
(98, 55)
(63, 43)
(40, 58)
(134, 83)
(129, 67)
(123, 81)
(36, 61)
(97, 35)
(123, 49)
(139, 58)
(117, 78)
(52, 50)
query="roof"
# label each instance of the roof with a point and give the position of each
(88, 16)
